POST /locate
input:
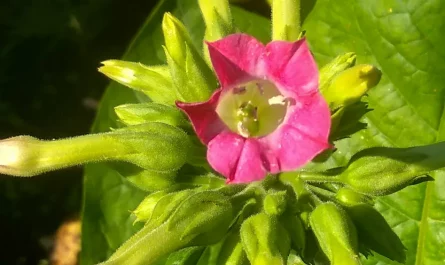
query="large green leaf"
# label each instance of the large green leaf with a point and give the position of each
(108, 196)
(405, 40)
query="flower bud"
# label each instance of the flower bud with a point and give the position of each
(381, 171)
(217, 17)
(265, 240)
(286, 20)
(329, 71)
(350, 85)
(349, 197)
(153, 146)
(133, 114)
(375, 233)
(336, 234)
(154, 81)
(192, 77)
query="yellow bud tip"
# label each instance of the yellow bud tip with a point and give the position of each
(9, 153)
(371, 73)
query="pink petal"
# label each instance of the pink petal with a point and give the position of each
(303, 135)
(292, 67)
(204, 118)
(235, 157)
(235, 58)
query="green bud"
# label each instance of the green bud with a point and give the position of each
(153, 146)
(275, 203)
(336, 234)
(381, 171)
(202, 219)
(295, 228)
(192, 77)
(286, 20)
(133, 114)
(329, 71)
(145, 208)
(154, 81)
(265, 240)
(349, 197)
(375, 233)
(349, 86)
(217, 17)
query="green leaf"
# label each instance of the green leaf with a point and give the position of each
(403, 39)
(109, 198)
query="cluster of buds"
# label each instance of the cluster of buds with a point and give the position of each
(222, 150)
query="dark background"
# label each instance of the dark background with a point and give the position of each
(49, 88)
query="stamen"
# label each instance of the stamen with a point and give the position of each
(239, 90)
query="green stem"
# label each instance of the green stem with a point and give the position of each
(319, 177)
(146, 247)
(286, 24)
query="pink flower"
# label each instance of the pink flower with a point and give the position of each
(268, 115)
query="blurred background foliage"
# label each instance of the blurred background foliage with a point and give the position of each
(49, 88)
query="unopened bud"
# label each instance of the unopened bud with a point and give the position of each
(350, 85)
(336, 234)
(154, 81)
(381, 171)
(153, 146)
(265, 240)
(217, 18)
(192, 77)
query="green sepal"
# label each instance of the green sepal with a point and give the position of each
(185, 256)
(275, 203)
(206, 226)
(154, 81)
(166, 206)
(153, 146)
(229, 251)
(145, 208)
(265, 240)
(336, 234)
(330, 70)
(375, 233)
(134, 114)
(193, 79)
(295, 228)
(217, 17)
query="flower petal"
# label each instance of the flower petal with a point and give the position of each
(291, 66)
(235, 58)
(204, 118)
(303, 135)
(235, 157)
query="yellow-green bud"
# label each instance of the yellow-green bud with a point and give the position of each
(350, 85)
(154, 81)
(286, 20)
(192, 77)
(217, 17)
